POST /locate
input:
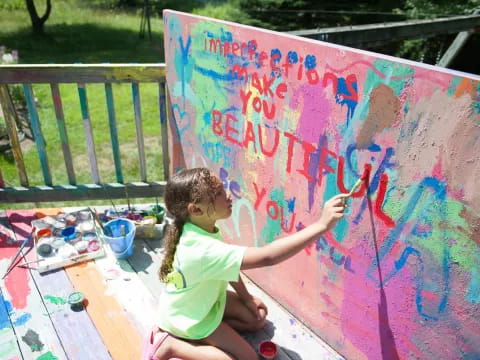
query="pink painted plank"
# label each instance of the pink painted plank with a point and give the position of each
(9, 348)
(33, 327)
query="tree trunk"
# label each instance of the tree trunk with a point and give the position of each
(37, 21)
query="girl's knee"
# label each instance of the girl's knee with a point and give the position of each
(249, 355)
(258, 325)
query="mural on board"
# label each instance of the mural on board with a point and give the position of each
(287, 123)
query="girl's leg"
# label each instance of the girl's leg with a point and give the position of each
(178, 348)
(238, 316)
(228, 340)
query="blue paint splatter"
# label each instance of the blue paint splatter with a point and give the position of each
(292, 57)
(310, 62)
(291, 204)
(7, 312)
(340, 99)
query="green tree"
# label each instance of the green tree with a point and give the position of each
(38, 21)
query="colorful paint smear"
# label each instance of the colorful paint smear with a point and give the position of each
(287, 123)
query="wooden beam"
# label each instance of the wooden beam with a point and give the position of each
(377, 34)
(81, 192)
(454, 48)
(81, 73)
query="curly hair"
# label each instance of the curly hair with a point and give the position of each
(187, 186)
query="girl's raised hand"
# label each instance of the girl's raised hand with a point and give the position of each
(333, 211)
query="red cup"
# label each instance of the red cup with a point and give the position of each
(268, 349)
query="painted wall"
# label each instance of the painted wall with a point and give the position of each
(287, 123)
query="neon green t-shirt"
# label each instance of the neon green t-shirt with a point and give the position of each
(193, 302)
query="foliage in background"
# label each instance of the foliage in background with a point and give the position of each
(285, 15)
(429, 50)
(421, 9)
(12, 5)
(96, 31)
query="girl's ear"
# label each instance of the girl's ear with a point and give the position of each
(194, 209)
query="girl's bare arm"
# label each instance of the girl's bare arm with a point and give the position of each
(282, 249)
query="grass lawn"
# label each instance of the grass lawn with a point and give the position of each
(78, 34)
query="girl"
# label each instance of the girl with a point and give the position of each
(199, 318)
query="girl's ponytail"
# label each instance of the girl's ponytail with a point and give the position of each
(174, 231)
(185, 187)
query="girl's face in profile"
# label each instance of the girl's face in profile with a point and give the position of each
(222, 206)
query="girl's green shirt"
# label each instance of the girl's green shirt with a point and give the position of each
(193, 302)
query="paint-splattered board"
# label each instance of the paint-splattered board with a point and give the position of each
(288, 122)
(36, 321)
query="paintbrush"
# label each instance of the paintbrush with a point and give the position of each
(111, 201)
(11, 266)
(99, 222)
(355, 187)
(26, 265)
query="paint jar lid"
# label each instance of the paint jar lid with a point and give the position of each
(44, 249)
(76, 298)
(93, 245)
(58, 242)
(69, 233)
(81, 246)
(44, 232)
(86, 226)
(67, 251)
(84, 215)
(60, 224)
(268, 349)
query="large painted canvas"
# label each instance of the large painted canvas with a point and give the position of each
(287, 123)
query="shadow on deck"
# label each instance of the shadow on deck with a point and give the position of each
(121, 299)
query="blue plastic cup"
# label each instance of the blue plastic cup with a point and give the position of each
(121, 233)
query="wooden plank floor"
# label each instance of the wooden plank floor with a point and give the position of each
(36, 321)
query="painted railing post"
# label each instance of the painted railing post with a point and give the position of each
(82, 93)
(37, 133)
(139, 128)
(62, 131)
(9, 113)
(164, 133)
(113, 132)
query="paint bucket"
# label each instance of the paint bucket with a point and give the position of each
(267, 349)
(121, 233)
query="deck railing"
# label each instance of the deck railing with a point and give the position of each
(81, 75)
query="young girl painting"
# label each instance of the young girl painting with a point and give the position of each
(198, 317)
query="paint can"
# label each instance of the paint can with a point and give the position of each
(267, 349)
(71, 219)
(44, 249)
(45, 232)
(93, 245)
(81, 246)
(58, 242)
(67, 251)
(69, 233)
(86, 226)
(76, 300)
(84, 215)
(60, 224)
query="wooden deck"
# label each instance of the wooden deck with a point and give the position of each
(36, 322)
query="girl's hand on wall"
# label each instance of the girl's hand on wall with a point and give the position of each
(332, 211)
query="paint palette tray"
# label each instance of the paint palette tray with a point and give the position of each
(66, 239)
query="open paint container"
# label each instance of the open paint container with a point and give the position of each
(268, 349)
